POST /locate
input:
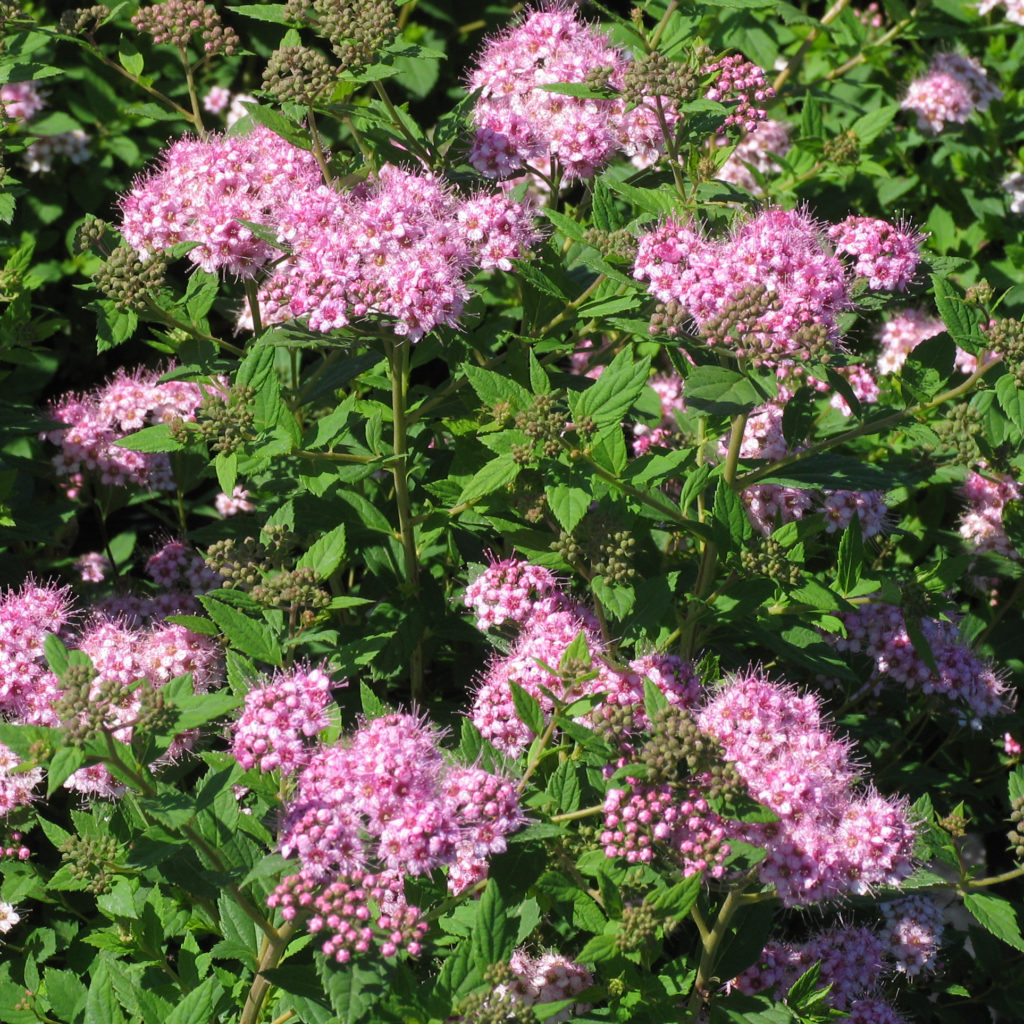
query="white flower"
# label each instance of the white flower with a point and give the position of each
(9, 917)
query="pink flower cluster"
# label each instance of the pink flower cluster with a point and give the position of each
(549, 623)
(913, 933)
(233, 503)
(880, 632)
(121, 655)
(95, 421)
(739, 81)
(951, 90)
(830, 838)
(547, 978)
(520, 123)
(205, 188)
(20, 101)
(782, 251)
(509, 590)
(645, 821)
(759, 148)
(400, 247)
(1014, 9)
(981, 523)
(356, 912)
(669, 389)
(886, 255)
(901, 334)
(851, 961)
(771, 504)
(15, 786)
(279, 717)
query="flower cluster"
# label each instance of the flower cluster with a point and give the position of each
(16, 785)
(951, 90)
(1014, 9)
(738, 81)
(886, 255)
(547, 978)
(768, 505)
(777, 258)
(509, 590)
(830, 838)
(913, 933)
(96, 421)
(550, 623)
(175, 22)
(758, 149)
(852, 962)
(901, 334)
(206, 188)
(399, 246)
(981, 523)
(367, 812)
(520, 123)
(20, 101)
(880, 631)
(279, 717)
(233, 503)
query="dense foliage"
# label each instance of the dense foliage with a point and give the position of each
(511, 514)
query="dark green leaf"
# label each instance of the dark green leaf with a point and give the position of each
(722, 392)
(249, 636)
(527, 708)
(997, 915)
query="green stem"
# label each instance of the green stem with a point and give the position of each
(155, 93)
(318, 149)
(197, 114)
(398, 356)
(711, 942)
(252, 297)
(537, 757)
(830, 15)
(270, 956)
(412, 143)
(652, 43)
(586, 812)
(861, 57)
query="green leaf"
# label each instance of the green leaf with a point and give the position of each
(490, 478)
(722, 392)
(868, 127)
(151, 439)
(960, 319)
(579, 89)
(851, 557)
(130, 58)
(101, 1005)
(66, 761)
(492, 938)
(730, 521)
(1016, 784)
(274, 13)
(249, 636)
(66, 992)
(568, 504)
(326, 554)
(56, 655)
(616, 598)
(528, 709)
(373, 706)
(996, 915)
(564, 788)
(226, 466)
(929, 366)
(1011, 400)
(599, 949)
(610, 397)
(198, 1004)
(676, 900)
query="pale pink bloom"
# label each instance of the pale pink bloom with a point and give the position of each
(901, 334)
(1014, 9)
(913, 933)
(758, 148)
(237, 501)
(9, 917)
(981, 523)
(1011, 746)
(951, 90)
(20, 100)
(93, 566)
(217, 99)
(40, 154)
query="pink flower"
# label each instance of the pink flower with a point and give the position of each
(237, 501)
(951, 90)
(886, 255)
(20, 100)
(217, 99)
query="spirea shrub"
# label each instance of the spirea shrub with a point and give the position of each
(511, 513)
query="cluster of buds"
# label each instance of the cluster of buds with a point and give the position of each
(731, 326)
(260, 566)
(770, 560)
(615, 557)
(678, 751)
(620, 244)
(638, 927)
(959, 432)
(300, 74)
(83, 20)
(356, 30)
(128, 280)
(91, 235)
(543, 423)
(175, 22)
(1007, 339)
(89, 858)
(1016, 835)
(843, 149)
(224, 420)
(611, 552)
(653, 74)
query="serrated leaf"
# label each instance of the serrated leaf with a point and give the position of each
(64, 763)
(851, 557)
(610, 397)
(599, 949)
(564, 788)
(326, 554)
(492, 938)
(225, 465)
(151, 439)
(676, 900)
(528, 709)
(731, 523)
(490, 478)
(249, 636)
(721, 391)
(959, 318)
(101, 1004)
(373, 706)
(996, 915)
(568, 504)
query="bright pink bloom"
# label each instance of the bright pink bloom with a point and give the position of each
(20, 100)
(887, 255)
